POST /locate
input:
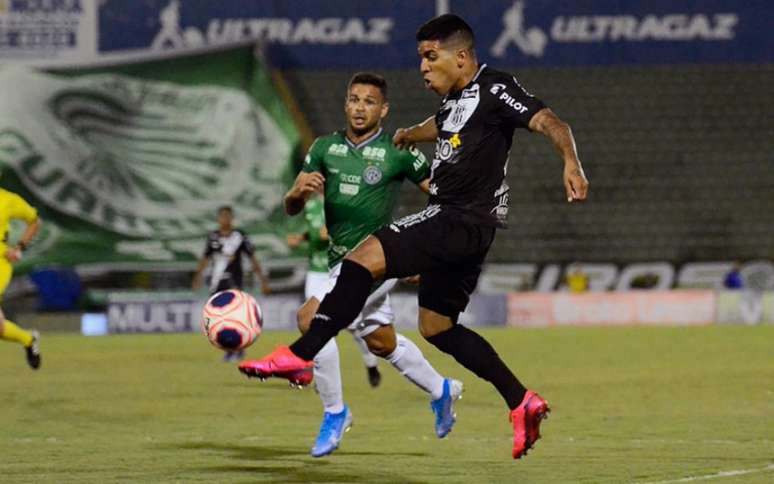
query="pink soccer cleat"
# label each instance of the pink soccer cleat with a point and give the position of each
(280, 363)
(526, 420)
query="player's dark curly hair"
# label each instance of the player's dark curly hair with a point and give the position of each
(369, 78)
(447, 28)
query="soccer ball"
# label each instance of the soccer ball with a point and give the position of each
(232, 320)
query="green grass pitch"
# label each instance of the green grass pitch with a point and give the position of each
(629, 405)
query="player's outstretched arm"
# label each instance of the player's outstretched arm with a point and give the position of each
(423, 132)
(547, 123)
(303, 188)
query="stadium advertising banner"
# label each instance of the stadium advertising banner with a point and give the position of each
(129, 165)
(154, 312)
(745, 307)
(159, 312)
(180, 312)
(52, 31)
(380, 33)
(680, 307)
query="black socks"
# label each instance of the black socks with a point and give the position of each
(476, 354)
(338, 309)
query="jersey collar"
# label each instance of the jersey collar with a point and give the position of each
(480, 70)
(365, 142)
(475, 78)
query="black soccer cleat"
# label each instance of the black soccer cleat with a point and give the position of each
(374, 377)
(33, 351)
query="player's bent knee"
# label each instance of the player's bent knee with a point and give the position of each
(432, 323)
(370, 255)
(382, 342)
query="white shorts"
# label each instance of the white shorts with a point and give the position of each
(315, 283)
(377, 310)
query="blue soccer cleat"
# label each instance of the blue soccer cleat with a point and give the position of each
(443, 408)
(331, 431)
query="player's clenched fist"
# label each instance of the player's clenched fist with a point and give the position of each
(308, 183)
(401, 138)
(575, 182)
(13, 255)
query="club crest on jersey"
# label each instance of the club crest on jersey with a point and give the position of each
(462, 110)
(458, 114)
(372, 175)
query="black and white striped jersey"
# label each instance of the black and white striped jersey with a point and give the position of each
(475, 133)
(225, 253)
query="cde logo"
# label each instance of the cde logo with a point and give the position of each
(372, 175)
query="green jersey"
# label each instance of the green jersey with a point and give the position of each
(362, 183)
(314, 214)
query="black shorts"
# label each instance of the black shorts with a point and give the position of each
(444, 249)
(226, 284)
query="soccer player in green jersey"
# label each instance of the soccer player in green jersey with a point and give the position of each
(316, 235)
(360, 173)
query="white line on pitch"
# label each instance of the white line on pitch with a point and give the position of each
(717, 475)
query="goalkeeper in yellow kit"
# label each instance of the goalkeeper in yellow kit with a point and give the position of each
(12, 206)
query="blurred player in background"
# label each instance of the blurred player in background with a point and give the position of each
(447, 242)
(361, 172)
(225, 248)
(12, 206)
(316, 235)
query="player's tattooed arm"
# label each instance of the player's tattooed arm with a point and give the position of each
(422, 132)
(303, 188)
(547, 123)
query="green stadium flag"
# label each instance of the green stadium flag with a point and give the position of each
(128, 164)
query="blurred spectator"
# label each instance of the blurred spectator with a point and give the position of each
(733, 279)
(577, 280)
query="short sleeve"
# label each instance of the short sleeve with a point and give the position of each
(208, 247)
(20, 209)
(314, 157)
(514, 104)
(416, 168)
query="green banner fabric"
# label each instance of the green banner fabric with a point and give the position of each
(128, 164)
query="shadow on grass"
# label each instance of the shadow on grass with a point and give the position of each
(295, 465)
